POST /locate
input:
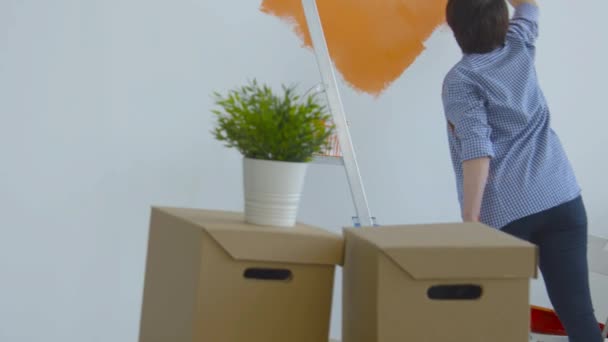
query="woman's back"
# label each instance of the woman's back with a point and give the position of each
(498, 110)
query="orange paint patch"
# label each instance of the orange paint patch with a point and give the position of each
(371, 42)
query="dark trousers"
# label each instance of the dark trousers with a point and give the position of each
(561, 235)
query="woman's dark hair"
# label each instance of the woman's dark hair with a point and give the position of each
(479, 26)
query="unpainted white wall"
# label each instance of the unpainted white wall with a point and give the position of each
(104, 109)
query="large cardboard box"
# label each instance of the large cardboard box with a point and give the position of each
(212, 278)
(436, 283)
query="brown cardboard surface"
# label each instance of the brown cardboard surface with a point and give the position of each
(300, 244)
(469, 235)
(196, 289)
(388, 272)
(496, 255)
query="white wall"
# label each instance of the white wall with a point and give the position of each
(104, 111)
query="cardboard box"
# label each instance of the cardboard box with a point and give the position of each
(445, 282)
(212, 278)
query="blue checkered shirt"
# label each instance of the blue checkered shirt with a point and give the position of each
(495, 108)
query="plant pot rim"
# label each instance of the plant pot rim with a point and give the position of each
(274, 161)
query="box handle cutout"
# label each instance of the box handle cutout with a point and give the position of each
(273, 274)
(455, 292)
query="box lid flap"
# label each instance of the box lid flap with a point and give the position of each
(302, 244)
(454, 251)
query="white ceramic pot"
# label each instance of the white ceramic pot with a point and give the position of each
(272, 191)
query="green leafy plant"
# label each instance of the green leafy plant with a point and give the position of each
(261, 124)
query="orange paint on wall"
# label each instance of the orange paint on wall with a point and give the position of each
(372, 42)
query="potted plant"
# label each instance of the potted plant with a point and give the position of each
(277, 134)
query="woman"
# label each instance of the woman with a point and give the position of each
(512, 172)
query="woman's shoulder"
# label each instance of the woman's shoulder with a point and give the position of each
(459, 80)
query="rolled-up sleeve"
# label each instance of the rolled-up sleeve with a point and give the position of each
(465, 109)
(524, 25)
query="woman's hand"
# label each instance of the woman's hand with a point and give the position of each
(470, 218)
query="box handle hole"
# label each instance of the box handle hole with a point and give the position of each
(272, 274)
(455, 292)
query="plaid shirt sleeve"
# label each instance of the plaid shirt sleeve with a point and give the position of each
(524, 25)
(466, 113)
